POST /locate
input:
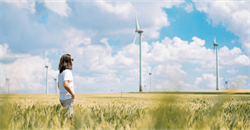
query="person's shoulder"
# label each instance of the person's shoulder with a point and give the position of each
(67, 71)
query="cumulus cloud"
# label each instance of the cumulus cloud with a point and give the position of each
(24, 4)
(117, 21)
(238, 82)
(99, 83)
(58, 6)
(230, 14)
(151, 17)
(169, 78)
(7, 56)
(189, 7)
(27, 75)
(207, 82)
(195, 52)
(121, 9)
(232, 71)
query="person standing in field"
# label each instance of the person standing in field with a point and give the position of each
(65, 83)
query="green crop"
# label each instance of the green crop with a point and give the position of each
(131, 111)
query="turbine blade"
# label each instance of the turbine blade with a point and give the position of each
(213, 49)
(45, 57)
(136, 21)
(135, 38)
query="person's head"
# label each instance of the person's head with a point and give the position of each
(66, 62)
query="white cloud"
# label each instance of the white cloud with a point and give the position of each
(121, 9)
(99, 83)
(24, 4)
(194, 52)
(169, 77)
(233, 41)
(151, 16)
(232, 71)
(238, 82)
(208, 82)
(7, 55)
(58, 6)
(189, 7)
(231, 14)
(232, 57)
(27, 75)
(197, 80)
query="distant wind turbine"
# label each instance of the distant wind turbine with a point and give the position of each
(226, 83)
(217, 67)
(8, 84)
(46, 66)
(56, 86)
(139, 31)
(150, 82)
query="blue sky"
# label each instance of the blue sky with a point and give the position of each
(177, 44)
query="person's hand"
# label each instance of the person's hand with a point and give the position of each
(73, 95)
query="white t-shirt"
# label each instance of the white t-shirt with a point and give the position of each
(65, 75)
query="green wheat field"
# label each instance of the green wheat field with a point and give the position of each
(127, 111)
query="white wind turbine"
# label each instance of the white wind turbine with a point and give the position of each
(46, 66)
(150, 82)
(7, 83)
(56, 88)
(226, 83)
(139, 31)
(217, 66)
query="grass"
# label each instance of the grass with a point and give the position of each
(131, 111)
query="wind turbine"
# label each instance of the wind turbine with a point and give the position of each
(139, 31)
(217, 67)
(150, 82)
(8, 84)
(226, 84)
(46, 66)
(55, 85)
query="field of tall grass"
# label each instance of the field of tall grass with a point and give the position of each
(129, 111)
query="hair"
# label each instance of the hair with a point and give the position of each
(65, 63)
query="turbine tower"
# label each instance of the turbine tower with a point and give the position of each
(139, 31)
(46, 66)
(217, 66)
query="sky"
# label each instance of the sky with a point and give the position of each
(177, 44)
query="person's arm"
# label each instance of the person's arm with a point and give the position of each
(67, 87)
(58, 85)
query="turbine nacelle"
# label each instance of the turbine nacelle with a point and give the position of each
(139, 31)
(215, 44)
